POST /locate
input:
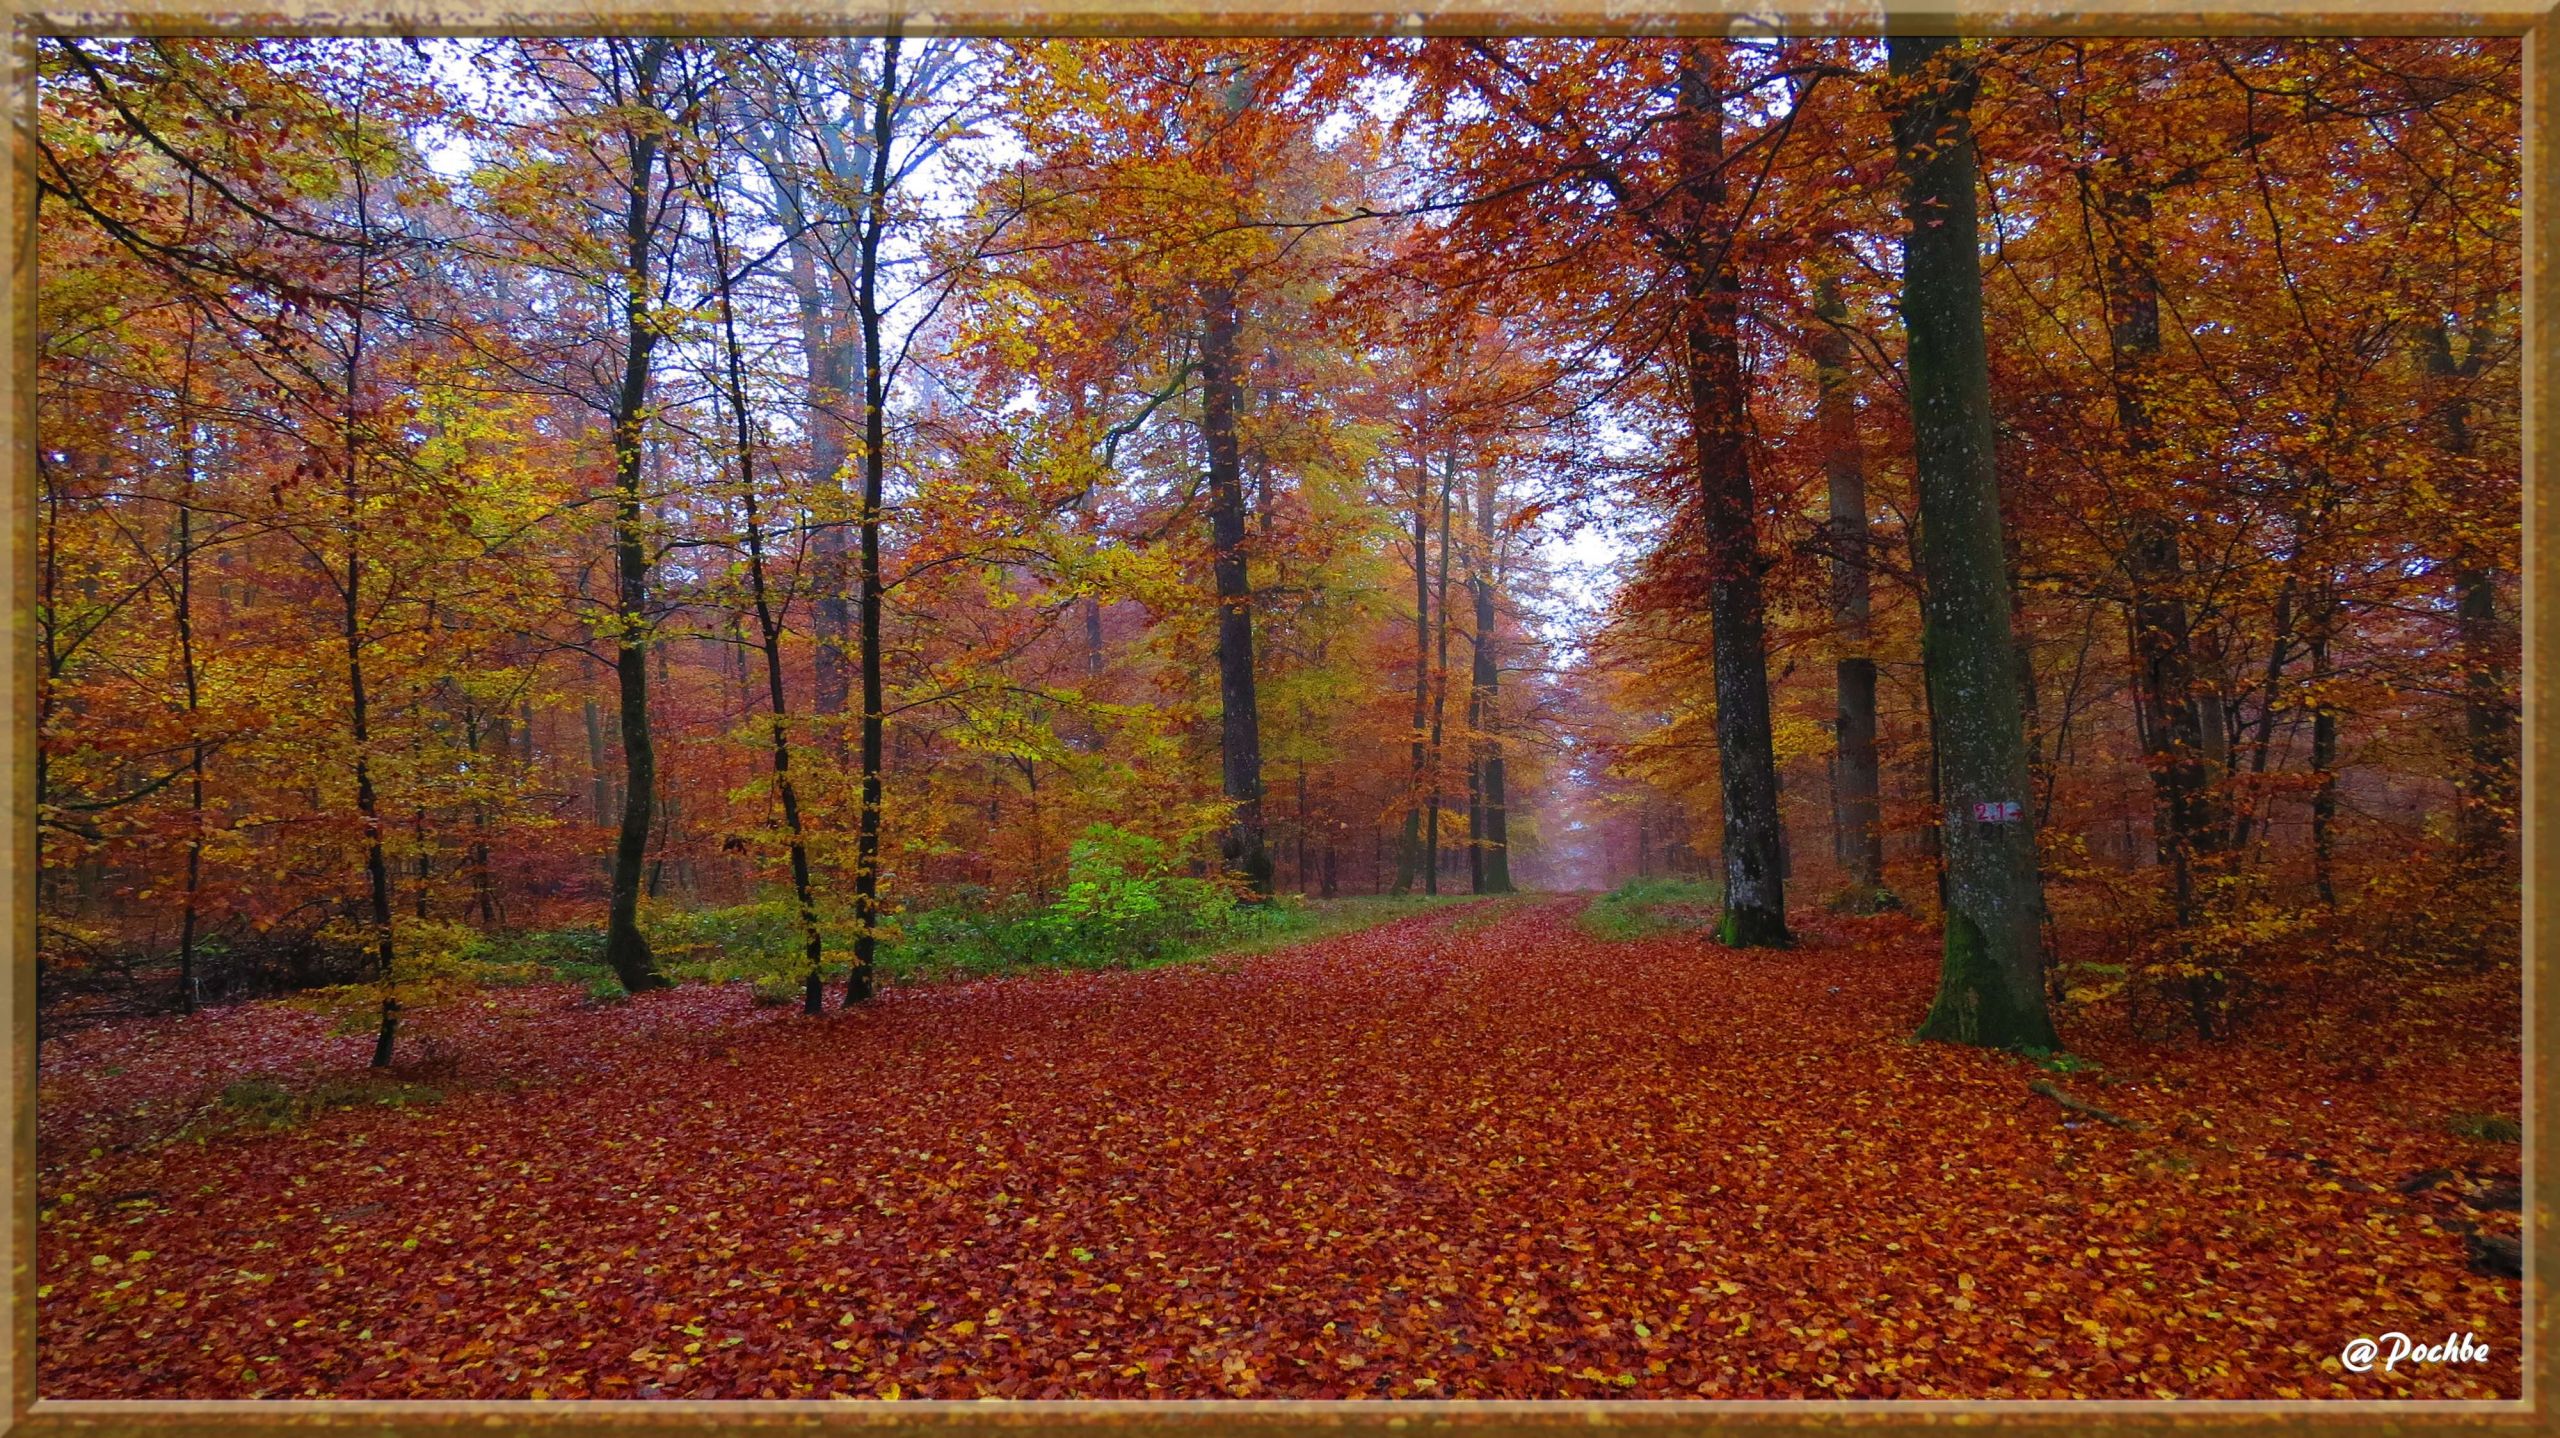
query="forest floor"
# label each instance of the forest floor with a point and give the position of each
(1479, 1152)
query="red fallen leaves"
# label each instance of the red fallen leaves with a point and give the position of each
(1480, 1155)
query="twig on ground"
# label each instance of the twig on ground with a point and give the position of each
(2082, 1106)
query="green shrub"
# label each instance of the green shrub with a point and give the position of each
(1124, 904)
(777, 991)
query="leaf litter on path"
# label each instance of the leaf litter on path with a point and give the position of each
(1514, 1161)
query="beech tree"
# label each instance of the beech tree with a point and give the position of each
(1991, 991)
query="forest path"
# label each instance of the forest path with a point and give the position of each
(1472, 1153)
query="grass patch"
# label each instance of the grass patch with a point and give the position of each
(1644, 908)
(2486, 1127)
(266, 1104)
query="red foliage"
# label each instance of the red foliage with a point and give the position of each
(1481, 1155)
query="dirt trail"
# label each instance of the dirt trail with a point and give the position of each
(1469, 1154)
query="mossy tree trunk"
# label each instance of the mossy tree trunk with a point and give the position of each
(1991, 987)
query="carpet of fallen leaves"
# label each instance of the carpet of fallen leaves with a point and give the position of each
(1472, 1154)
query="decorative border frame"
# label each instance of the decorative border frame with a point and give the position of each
(2537, 22)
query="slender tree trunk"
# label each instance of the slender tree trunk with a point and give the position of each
(1755, 906)
(1240, 727)
(2250, 803)
(1440, 671)
(2173, 734)
(1991, 990)
(185, 617)
(1409, 852)
(484, 898)
(859, 985)
(351, 630)
(1857, 815)
(1488, 826)
(626, 950)
(768, 629)
(359, 727)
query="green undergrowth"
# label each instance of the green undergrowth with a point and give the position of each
(2486, 1127)
(1125, 905)
(1644, 908)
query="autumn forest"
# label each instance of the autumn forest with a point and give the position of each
(923, 717)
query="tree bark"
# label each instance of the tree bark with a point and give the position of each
(1857, 820)
(626, 949)
(1755, 909)
(1409, 850)
(185, 617)
(2324, 758)
(1488, 823)
(2485, 794)
(351, 630)
(1991, 987)
(2172, 727)
(860, 985)
(1440, 680)
(1242, 849)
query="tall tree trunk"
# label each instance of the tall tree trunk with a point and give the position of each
(2248, 805)
(1239, 720)
(1755, 905)
(1857, 816)
(2174, 741)
(351, 630)
(859, 985)
(1488, 825)
(1409, 851)
(185, 617)
(827, 357)
(1991, 988)
(483, 896)
(1440, 682)
(626, 950)
(2485, 793)
(831, 612)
